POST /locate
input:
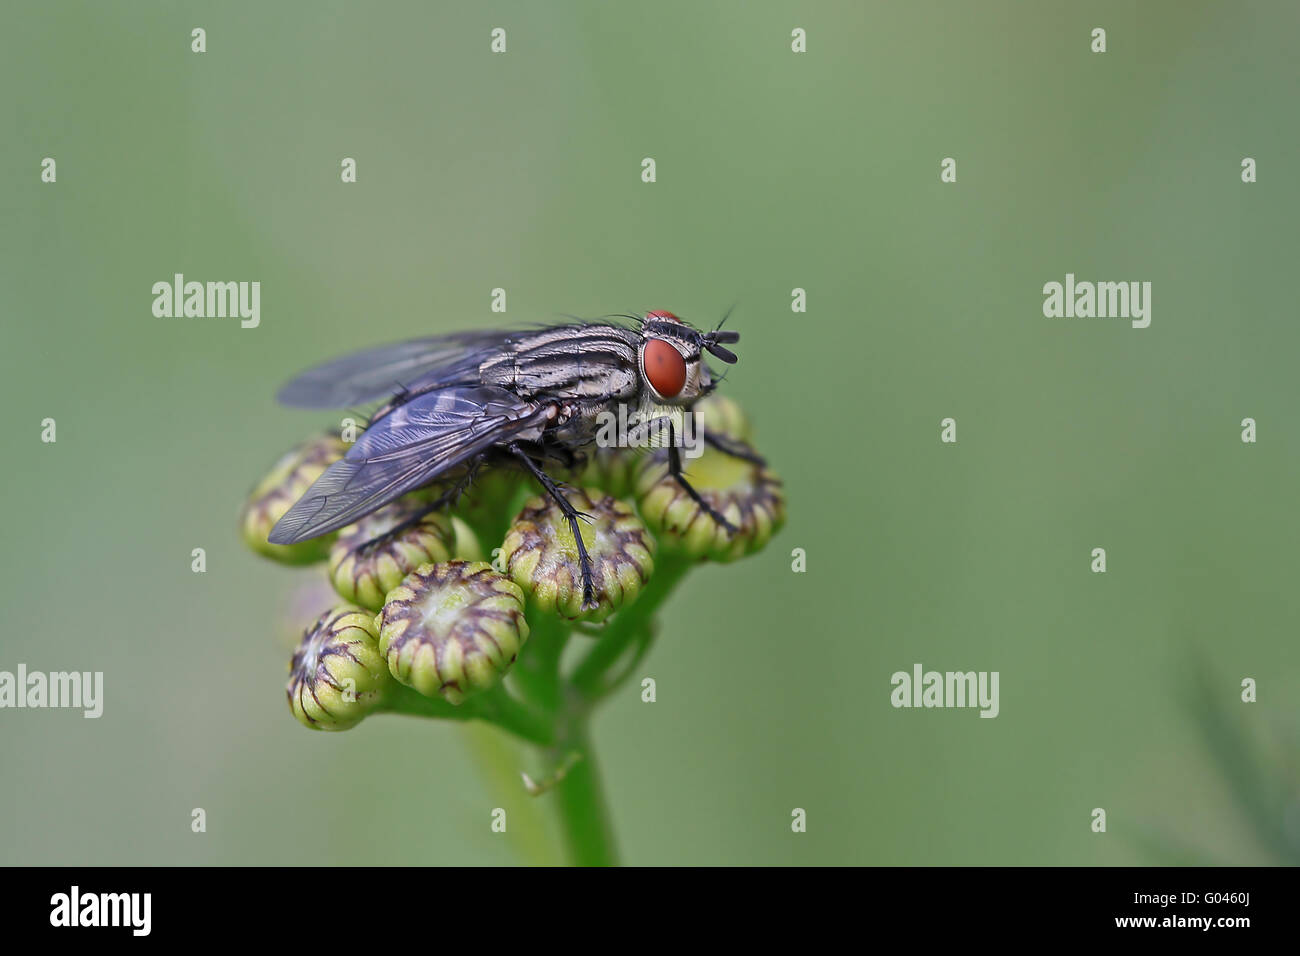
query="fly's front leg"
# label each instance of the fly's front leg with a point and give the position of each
(734, 449)
(675, 469)
(571, 514)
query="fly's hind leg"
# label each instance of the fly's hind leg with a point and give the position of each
(675, 469)
(450, 496)
(571, 515)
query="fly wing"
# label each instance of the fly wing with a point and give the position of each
(405, 449)
(380, 372)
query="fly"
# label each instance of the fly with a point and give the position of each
(454, 402)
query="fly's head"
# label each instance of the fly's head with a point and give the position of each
(671, 358)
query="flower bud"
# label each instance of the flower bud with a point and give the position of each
(607, 467)
(541, 556)
(723, 416)
(337, 675)
(452, 629)
(276, 493)
(467, 547)
(487, 503)
(366, 563)
(612, 470)
(746, 494)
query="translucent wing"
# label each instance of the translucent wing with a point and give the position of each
(405, 449)
(380, 372)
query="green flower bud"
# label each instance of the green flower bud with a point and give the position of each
(746, 494)
(365, 564)
(608, 468)
(488, 502)
(307, 593)
(541, 556)
(276, 493)
(612, 470)
(452, 629)
(467, 547)
(337, 675)
(723, 416)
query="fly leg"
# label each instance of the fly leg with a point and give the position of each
(736, 450)
(571, 514)
(675, 469)
(450, 496)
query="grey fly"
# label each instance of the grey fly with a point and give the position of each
(453, 402)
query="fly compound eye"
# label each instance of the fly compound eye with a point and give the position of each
(664, 367)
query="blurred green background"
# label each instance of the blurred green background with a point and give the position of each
(775, 171)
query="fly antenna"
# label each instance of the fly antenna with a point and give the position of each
(726, 315)
(714, 340)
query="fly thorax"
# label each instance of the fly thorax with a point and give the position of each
(584, 363)
(579, 425)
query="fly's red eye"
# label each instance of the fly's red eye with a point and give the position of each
(665, 368)
(663, 316)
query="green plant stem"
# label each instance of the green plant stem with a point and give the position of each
(497, 756)
(496, 706)
(579, 796)
(537, 670)
(580, 800)
(631, 625)
(555, 713)
(399, 699)
(505, 710)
